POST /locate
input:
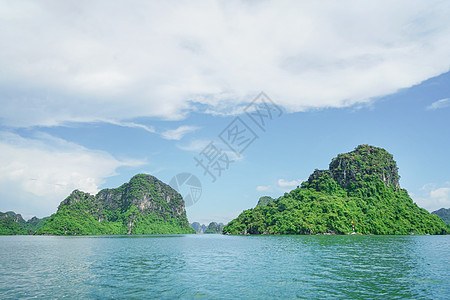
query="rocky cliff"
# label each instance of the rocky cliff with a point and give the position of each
(359, 193)
(13, 224)
(213, 227)
(264, 200)
(348, 168)
(144, 205)
(200, 228)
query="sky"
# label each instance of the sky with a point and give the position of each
(249, 97)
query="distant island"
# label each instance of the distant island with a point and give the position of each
(213, 227)
(444, 214)
(144, 205)
(13, 224)
(359, 193)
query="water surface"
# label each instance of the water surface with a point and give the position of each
(225, 267)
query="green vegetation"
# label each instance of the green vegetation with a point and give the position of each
(144, 205)
(9, 224)
(13, 224)
(264, 200)
(200, 228)
(360, 186)
(213, 227)
(32, 225)
(444, 214)
(79, 218)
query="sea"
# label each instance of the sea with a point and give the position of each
(214, 266)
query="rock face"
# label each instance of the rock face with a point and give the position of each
(14, 217)
(13, 224)
(9, 223)
(365, 160)
(360, 189)
(144, 205)
(264, 200)
(213, 227)
(200, 228)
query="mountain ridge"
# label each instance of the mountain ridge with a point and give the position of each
(444, 214)
(360, 188)
(144, 205)
(12, 223)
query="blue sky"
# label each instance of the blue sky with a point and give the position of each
(105, 91)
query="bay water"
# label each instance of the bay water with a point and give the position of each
(225, 267)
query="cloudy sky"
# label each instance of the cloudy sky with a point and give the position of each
(93, 92)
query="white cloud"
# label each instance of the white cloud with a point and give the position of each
(284, 183)
(439, 104)
(117, 61)
(178, 133)
(170, 134)
(132, 125)
(434, 196)
(37, 173)
(441, 193)
(194, 145)
(261, 188)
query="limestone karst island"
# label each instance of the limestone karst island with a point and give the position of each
(360, 193)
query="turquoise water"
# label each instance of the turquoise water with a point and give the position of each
(225, 267)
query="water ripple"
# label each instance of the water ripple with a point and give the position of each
(223, 267)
